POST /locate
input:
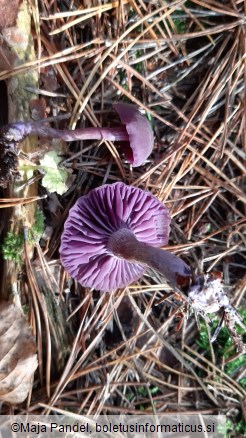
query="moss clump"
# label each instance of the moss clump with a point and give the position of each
(224, 346)
(38, 226)
(13, 245)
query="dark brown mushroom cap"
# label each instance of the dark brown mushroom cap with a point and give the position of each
(141, 139)
(84, 250)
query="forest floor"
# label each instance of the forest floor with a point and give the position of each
(183, 63)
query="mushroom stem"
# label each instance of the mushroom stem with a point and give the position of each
(18, 131)
(124, 244)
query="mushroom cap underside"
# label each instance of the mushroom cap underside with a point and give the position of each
(94, 218)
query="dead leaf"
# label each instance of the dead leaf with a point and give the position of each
(48, 78)
(18, 359)
(38, 108)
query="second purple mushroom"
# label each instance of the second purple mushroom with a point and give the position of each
(135, 133)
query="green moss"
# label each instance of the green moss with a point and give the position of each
(233, 428)
(240, 427)
(224, 345)
(142, 390)
(180, 25)
(38, 226)
(12, 247)
(243, 382)
(25, 308)
(224, 349)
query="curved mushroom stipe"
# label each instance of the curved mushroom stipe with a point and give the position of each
(95, 223)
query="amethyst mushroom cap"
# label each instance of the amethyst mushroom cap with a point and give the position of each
(99, 225)
(141, 139)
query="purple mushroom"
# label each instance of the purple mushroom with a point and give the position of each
(141, 141)
(135, 133)
(113, 234)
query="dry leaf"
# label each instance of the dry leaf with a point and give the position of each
(38, 108)
(18, 359)
(48, 77)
